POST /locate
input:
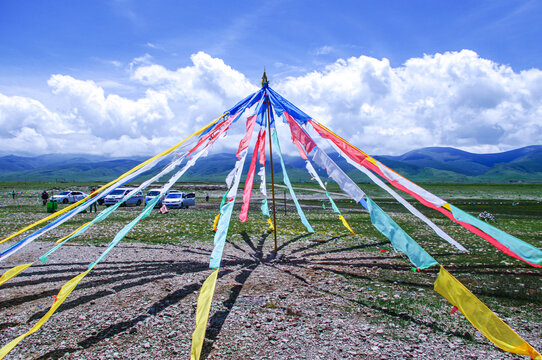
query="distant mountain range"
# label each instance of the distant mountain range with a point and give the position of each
(433, 164)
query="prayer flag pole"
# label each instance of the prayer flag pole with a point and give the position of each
(265, 82)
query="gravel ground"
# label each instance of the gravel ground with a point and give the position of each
(140, 304)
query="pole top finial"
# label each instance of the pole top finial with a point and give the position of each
(265, 82)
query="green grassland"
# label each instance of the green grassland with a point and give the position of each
(508, 286)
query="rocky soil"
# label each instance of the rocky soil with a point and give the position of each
(140, 304)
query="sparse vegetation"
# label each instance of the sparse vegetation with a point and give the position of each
(380, 282)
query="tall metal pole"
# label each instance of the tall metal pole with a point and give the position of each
(264, 83)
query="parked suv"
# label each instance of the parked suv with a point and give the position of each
(180, 200)
(118, 194)
(68, 197)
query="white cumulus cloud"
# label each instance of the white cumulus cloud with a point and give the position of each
(453, 99)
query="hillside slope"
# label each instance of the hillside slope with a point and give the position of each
(433, 164)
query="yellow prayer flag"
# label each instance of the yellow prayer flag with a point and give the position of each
(346, 225)
(481, 317)
(202, 314)
(11, 273)
(271, 226)
(62, 295)
(217, 217)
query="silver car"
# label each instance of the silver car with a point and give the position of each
(174, 200)
(180, 200)
(189, 200)
(68, 197)
(118, 194)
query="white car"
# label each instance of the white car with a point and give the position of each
(174, 200)
(68, 197)
(118, 194)
(179, 200)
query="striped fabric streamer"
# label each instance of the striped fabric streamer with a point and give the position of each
(287, 182)
(108, 211)
(403, 202)
(249, 182)
(264, 207)
(221, 226)
(261, 173)
(335, 172)
(346, 224)
(363, 159)
(381, 221)
(79, 206)
(309, 143)
(70, 285)
(232, 180)
(120, 178)
(518, 247)
(4, 254)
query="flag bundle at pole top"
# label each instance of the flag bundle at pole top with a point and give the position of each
(267, 106)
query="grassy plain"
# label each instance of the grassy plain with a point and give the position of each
(508, 286)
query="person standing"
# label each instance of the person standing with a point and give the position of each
(13, 194)
(44, 197)
(93, 205)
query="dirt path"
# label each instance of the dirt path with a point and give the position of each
(140, 304)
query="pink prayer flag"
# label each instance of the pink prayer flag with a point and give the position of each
(301, 151)
(262, 150)
(245, 141)
(243, 216)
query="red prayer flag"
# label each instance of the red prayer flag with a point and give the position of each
(250, 178)
(299, 134)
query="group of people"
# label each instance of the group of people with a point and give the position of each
(45, 198)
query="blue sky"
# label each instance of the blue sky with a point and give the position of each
(86, 38)
(104, 41)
